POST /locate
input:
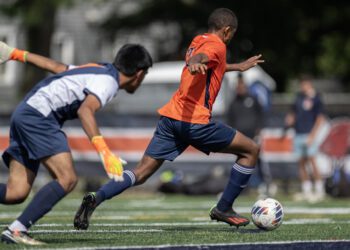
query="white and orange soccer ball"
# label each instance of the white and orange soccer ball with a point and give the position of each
(267, 214)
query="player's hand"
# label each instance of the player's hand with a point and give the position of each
(5, 52)
(113, 164)
(197, 68)
(250, 62)
(10, 53)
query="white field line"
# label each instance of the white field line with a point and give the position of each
(160, 224)
(97, 231)
(258, 244)
(128, 214)
(173, 206)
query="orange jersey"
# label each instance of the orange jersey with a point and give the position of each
(193, 101)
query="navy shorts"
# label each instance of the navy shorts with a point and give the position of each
(33, 137)
(172, 137)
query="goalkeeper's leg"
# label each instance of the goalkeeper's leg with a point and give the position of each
(19, 183)
(145, 168)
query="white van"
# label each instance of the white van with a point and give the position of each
(163, 80)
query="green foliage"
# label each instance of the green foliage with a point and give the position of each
(294, 36)
(335, 55)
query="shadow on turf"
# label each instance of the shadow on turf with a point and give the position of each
(250, 231)
(227, 229)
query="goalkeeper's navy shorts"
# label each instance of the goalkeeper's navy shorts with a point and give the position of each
(33, 137)
(172, 137)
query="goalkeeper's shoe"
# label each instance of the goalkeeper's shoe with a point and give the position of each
(83, 215)
(230, 217)
(18, 237)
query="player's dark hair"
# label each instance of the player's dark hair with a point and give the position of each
(222, 17)
(132, 58)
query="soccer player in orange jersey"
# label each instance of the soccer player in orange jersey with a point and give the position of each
(186, 120)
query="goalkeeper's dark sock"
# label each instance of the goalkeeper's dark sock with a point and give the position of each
(238, 181)
(3, 188)
(42, 203)
(112, 188)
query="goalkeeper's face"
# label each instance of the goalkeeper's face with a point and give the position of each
(133, 85)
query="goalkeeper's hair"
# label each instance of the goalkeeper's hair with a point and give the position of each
(222, 17)
(132, 58)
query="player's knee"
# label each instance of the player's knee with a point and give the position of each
(15, 196)
(255, 150)
(68, 182)
(140, 179)
(253, 154)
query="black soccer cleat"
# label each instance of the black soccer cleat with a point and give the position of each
(230, 217)
(87, 207)
(18, 237)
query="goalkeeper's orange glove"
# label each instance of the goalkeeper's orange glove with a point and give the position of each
(113, 165)
(9, 53)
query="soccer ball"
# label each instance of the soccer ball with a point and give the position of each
(267, 214)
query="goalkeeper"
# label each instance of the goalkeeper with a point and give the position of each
(36, 136)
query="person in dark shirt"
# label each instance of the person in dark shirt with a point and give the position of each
(307, 116)
(247, 115)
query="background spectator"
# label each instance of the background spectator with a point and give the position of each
(307, 117)
(246, 114)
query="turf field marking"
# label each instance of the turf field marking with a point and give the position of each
(97, 231)
(159, 224)
(194, 207)
(203, 246)
(312, 221)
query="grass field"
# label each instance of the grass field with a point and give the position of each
(142, 219)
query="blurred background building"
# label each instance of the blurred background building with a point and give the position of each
(294, 37)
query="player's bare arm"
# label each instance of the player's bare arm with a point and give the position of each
(46, 63)
(86, 114)
(9, 53)
(247, 64)
(198, 64)
(113, 165)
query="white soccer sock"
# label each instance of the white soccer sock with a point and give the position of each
(306, 187)
(319, 187)
(17, 225)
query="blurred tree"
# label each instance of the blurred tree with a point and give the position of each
(293, 36)
(38, 19)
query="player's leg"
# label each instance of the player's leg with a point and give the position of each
(18, 185)
(144, 169)
(218, 137)
(312, 151)
(163, 146)
(246, 149)
(61, 167)
(247, 154)
(319, 185)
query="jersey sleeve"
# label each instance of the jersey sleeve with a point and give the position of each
(214, 50)
(103, 87)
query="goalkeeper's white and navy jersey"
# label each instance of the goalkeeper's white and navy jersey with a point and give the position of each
(62, 94)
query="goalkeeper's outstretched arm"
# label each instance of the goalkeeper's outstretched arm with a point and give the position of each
(112, 164)
(9, 53)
